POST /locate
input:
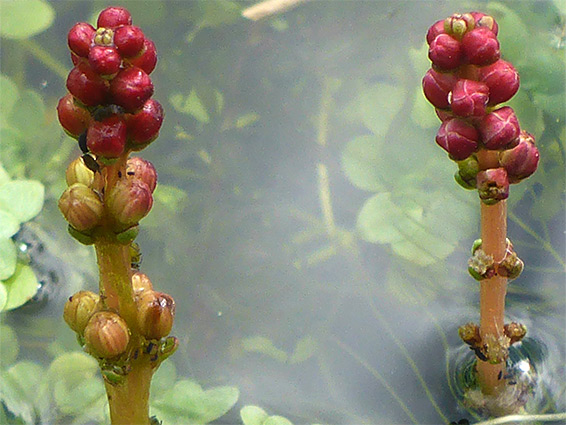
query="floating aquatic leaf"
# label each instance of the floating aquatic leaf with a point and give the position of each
(8, 258)
(247, 119)
(253, 415)
(304, 350)
(9, 224)
(22, 198)
(379, 104)
(263, 345)
(190, 105)
(25, 18)
(3, 300)
(277, 420)
(360, 162)
(9, 347)
(28, 115)
(186, 402)
(20, 287)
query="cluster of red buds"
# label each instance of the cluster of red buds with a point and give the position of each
(110, 112)
(467, 82)
(109, 107)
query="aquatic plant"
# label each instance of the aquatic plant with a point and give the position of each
(466, 84)
(109, 110)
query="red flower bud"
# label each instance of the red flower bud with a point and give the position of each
(483, 20)
(129, 201)
(521, 161)
(107, 138)
(434, 30)
(444, 115)
(104, 60)
(480, 46)
(436, 86)
(112, 17)
(142, 169)
(73, 117)
(128, 40)
(81, 207)
(80, 38)
(493, 185)
(458, 138)
(445, 52)
(86, 85)
(502, 80)
(469, 98)
(148, 57)
(499, 129)
(131, 88)
(143, 126)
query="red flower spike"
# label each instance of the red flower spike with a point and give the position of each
(480, 46)
(469, 98)
(80, 38)
(483, 20)
(148, 57)
(521, 161)
(86, 85)
(500, 129)
(143, 126)
(107, 138)
(492, 185)
(445, 52)
(73, 118)
(458, 138)
(129, 40)
(437, 86)
(434, 30)
(502, 80)
(112, 17)
(104, 60)
(131, 88)
(142, 169)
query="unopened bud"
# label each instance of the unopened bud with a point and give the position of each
(141, 283)
(81, 207)
(445, 52)
(480, 46)
(500, 129)
(469, 98)
(156, 312)
(493, 185)
(78, 172)
(79, 309)
(458, 138)
(515, 332)
(511, 266)
(106, 334)
(129, 201)
(522, 160)
(457, 25)
(502, 80)
(470, 334)
(483, 20)
(481, 265)
(467, 171)
(142, 169)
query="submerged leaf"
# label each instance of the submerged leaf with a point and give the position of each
(379, 104)
(263, 345)
(25, 18)
(9, 347)
(360, 162)
(9, 97)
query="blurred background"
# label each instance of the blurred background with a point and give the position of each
(306, 223)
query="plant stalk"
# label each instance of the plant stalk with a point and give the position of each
(492, 290)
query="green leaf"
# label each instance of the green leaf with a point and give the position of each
(3, 300)
(4, 176)
(219, 12)
(9, 225)
(423, 113)
(25, 18)
(72, 368)
(378, 106)
(304, 350)
(247, 119)
(170, 197)
(277, 420)
(9, 97)
(190, 105)
(163, 378)
(263, 345)
(18, 389)
(187, 403)
(360, 162)
(8, 257)
(9, 347)
(22, 198)
(253, 415)
(28, 115)
(73, 400)
(21, 286)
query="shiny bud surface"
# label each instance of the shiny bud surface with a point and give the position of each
(106, 334)
(129, 40)
(86, 85)
(156, 312)
(437, 86)
(107, 138)
(129, 201)
(73, 117)
(79, 308)
(131, 88)
(458, 138)
(78, 172)
(522, 160)
(147, 58)
(469, 98)
(104, 60)
(435, 29)
(499, 129)
(445, 52)
(142, 169)
(144, 125)
(80, 38)
(481, 47)
(502, 80)
(81, 207)
(112, 17)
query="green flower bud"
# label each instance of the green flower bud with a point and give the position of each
(78, 172)
(81, 207)
(156, 312)
(470, 334)
(467, 171)
(458, 24)
(106, 335)
(129, 201)
(79, 308)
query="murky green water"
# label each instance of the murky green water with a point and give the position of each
(277, 133)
